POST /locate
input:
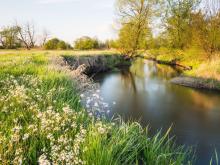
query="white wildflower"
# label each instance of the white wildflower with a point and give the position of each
(43, 160)
(96, 104)
(26, 136)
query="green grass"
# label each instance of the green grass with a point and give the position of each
(59, 52)
(42, 121)
(203, 67)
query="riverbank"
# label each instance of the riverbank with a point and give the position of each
(197, 83)
(199, 71)
(43, 120)
(97, 63)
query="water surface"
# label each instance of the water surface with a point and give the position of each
(143, 92)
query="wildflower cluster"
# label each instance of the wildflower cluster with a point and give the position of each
(90, 92)
(95, 104)
(33, 128)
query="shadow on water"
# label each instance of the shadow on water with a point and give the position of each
(143, 92)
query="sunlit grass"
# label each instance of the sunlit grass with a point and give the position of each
(58, 52)
(202, 65)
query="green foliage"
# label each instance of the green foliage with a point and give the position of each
(61, 45)
(86, 43)
(188, 26)
(51, 44)
(134, 19)
(128, 42)
(112, 44)
(9, 37)
(207, 31)
(55, 43)
(126, 39)
(130, 144)
(178, 22)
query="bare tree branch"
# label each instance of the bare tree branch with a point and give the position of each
(27, 34)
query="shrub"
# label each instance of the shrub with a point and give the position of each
(86, 43)
(51, 44)
(56, 44)
(61, 45)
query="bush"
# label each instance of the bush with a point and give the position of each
(86, 43)
(55, 43)
(62, 45)
(51, 44)
(9, 38)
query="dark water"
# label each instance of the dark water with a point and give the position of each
(143, 92)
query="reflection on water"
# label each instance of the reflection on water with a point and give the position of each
(143, 93)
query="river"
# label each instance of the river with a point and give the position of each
(143, 93)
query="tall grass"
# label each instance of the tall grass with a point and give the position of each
(129, 143)
(43, 122)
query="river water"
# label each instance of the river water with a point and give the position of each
(143, 93)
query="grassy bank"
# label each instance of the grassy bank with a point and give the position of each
(43, 122)
(205, 67)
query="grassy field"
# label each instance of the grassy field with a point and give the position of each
(42, 120)
(58, 52)
(204, 66)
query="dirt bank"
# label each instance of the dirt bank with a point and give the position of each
(199, 83)
(97, 63)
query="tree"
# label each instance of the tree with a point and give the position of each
(86, 43)
(62, 45)
(134, 17)
(9, 37)
(27, 34)
(212, 30)
(206, 27)
(178, 20)
(55, 43)
(112, 44)
(51, 44)
(45, 37)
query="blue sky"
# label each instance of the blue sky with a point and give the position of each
(65, 19)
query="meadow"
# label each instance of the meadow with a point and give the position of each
(42, 120)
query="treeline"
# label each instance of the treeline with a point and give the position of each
(26, 36)
(182, 24)
(22, 36)
(82, 43)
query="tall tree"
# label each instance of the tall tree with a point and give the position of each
(9, 37)
(178, 20)
(212, 30)
(134, 17)
(206, 26)
(27, 34)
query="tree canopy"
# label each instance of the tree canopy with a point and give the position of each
(56, 43)
(86, 43)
